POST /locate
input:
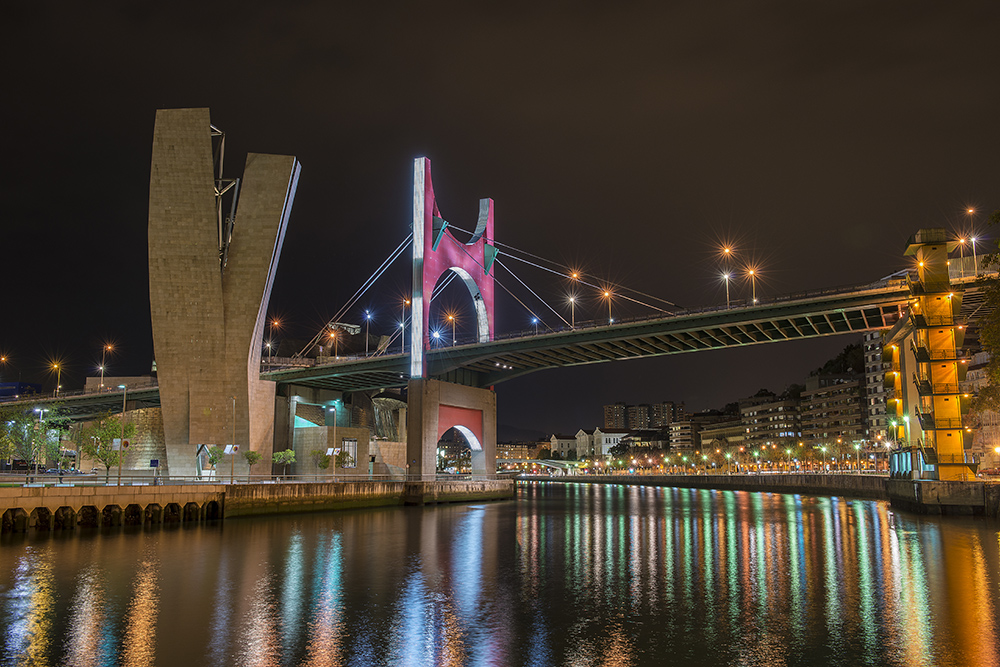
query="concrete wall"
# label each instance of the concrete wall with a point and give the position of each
(424, 399)
(321, 438)
(208, 322)
(859, 486)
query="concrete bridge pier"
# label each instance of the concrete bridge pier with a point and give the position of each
(433, 407)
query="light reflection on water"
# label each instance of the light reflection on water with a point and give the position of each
(569, 574)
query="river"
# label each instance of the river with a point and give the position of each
(568, 574)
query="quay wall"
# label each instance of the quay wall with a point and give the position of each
(922, 496)
(64, 506)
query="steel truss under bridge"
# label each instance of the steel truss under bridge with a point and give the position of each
(809, 315)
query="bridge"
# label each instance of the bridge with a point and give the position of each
(209, 354)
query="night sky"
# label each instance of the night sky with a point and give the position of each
(629, 142)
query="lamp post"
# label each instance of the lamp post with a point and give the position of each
(451, 318)
(121, 440)
(232, 449)
(402, 337)
(975, 259)
(753, 283)
(104, 351)
(607, 295)
(58, 369)
(725, 276)
(368, 319)
(823, 449)
(572, 312)
(534, 320)
(34, 451)
(961, 250)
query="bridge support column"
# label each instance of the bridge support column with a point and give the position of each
(433, 407)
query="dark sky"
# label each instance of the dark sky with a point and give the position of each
(628, 141)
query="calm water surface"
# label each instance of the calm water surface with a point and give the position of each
(566, 575)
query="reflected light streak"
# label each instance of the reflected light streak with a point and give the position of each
(85, 645)
(139, 643)
(31, 609)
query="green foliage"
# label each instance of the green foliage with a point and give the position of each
(850, 360)
(215, 455)
(544, 453)
(989, 333)
(95, 439)
(284, 458)
(620, 450)
(252, 457)
(345, 460)
(571, 455)
(320, 459)
(26, 436)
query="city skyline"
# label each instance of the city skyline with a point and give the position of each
(634, 146)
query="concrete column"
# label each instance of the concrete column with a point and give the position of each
(425, 427)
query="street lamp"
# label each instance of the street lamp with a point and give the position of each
(34, 453)
(608, 296)
(753, 283)
(58, 369)
(104, 351)
(336, 344)
(534, 320)
(725, 276)
(961, 250)
(451, 318)
(823, 449)
(975, 259)
(121, 440)
(368, 319)
(572, 312)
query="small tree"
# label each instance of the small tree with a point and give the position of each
(345, 460)
(215, 456)
(284, 458)
(96, 438)
(253, 458)
(544, 453)
(320, 459)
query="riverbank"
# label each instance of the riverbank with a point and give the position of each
(921, 496)
(66, 507)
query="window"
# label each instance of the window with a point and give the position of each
(348, 457)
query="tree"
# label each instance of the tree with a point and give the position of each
(619, 450)
(215, 456)
(544, 453)
(29, 435)
(253, 458)
(95, 439)
(344, 460)
(284, 458)
(571, 455)
(988, 397)
(320, 459)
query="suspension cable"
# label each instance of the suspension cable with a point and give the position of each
(393, 256)
(554, 311)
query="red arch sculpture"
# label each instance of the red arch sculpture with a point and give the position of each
(436, 251)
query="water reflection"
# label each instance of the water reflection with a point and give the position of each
(570, 574)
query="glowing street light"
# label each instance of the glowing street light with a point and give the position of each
(608, 295)
(975, 259)
(104, 350)
(725, 276)
(336, 344)
(402, 337)
(534, 320)
(451, 318)
(572, 312)
(368, 319)
(58, 369)
(753, 282)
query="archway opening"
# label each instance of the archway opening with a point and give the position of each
(457, 313)
(459, 452)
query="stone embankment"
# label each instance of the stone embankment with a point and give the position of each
(923, 496)
(61, 507)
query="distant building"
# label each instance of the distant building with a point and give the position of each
(638, 417)
(648, 439)
(729, 433)
(875, 392)
(769, 418)
(685, 434)
(518, 451)
(597, 442)
(615, 416)
(831, 409)
(563, 444)
(661, 415)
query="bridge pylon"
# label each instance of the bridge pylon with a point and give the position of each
(434, 406)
